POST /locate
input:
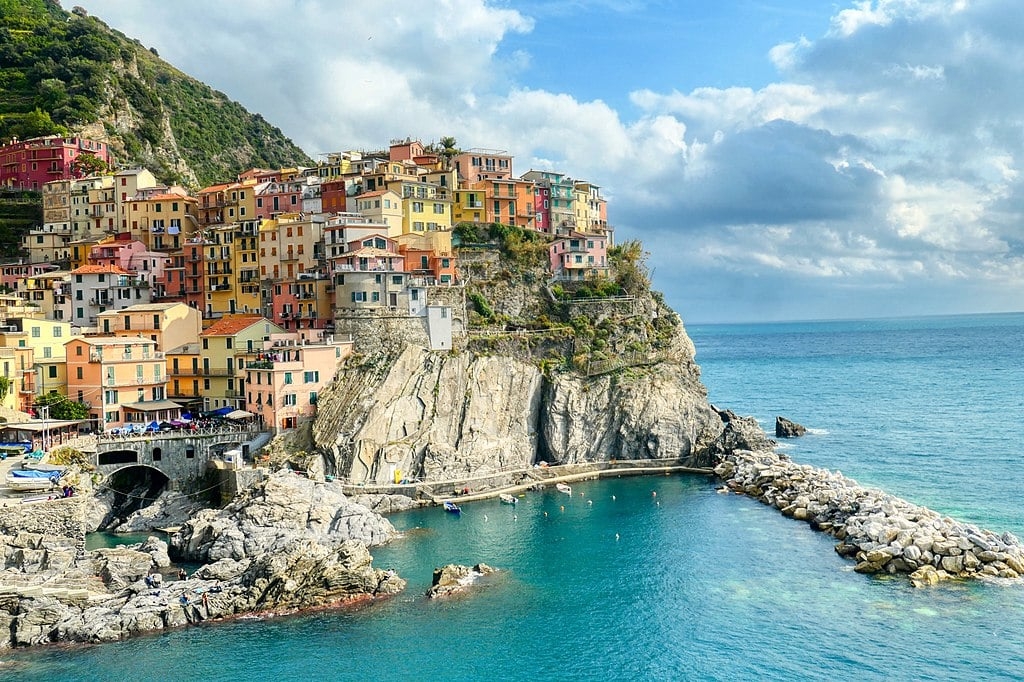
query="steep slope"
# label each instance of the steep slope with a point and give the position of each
(64, 72)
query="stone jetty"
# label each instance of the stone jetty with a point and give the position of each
(882, 533)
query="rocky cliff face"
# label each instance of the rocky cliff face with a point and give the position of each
(438, 416)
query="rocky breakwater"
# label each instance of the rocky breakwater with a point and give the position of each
(881, 532)
(286, 544)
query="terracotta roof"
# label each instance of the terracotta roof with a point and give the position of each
(229, 326)
(100, 270)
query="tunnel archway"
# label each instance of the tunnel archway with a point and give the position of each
(131, 488)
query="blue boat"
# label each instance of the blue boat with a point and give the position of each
(33, 479)
(451, 507)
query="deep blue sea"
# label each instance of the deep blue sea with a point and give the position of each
(687, 584)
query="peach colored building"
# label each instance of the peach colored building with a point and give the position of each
(283, 381)
(169, 325)
(123, 380)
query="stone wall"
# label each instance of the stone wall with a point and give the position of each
(62, 518)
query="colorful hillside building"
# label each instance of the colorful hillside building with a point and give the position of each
(30, 164)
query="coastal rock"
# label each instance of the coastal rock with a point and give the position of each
(286, 544)
(170, 509)
(454, 579)
(386, 504)
(281, 508)
(785, 428)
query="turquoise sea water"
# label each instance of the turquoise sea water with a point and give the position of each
(687, 583)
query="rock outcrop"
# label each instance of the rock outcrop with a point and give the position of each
(454, 579)
(437, 416)
(882, 533)
(286, 544)
(785, 428)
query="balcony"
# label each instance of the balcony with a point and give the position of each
(201, 372)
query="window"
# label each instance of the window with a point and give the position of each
(311, 377)
(78, 372)
(439, 208)
(358, 296)
(57, 332)
(312, 398)
(289, 399)
(228, 342)
(206, 344)
(417, 207)
(47, 352)
(287, 377)
(78, 351)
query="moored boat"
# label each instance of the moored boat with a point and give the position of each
(451, 507)
(563, 488)
(32, 479)
(507, 499)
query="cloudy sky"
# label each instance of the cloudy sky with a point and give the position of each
(780, 159)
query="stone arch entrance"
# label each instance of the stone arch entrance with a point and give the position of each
(130, 489)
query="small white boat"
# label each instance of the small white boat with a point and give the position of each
(563, 488)
(507, 499)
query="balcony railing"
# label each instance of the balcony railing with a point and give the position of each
(201, 372)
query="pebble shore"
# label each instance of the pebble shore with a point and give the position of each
(884, 534)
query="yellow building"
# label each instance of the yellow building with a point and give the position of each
(382, 207)
(184, 377)
(425, 207)
(11, 380)
(246, 267)
(39, 349)
(218, 256)
(225, 347)
(169, 325)
(159, 217)
(289, 245)
(47, 290)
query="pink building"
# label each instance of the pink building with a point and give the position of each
(283, 382)
(32, 163)
(132, 256)
(579, 256)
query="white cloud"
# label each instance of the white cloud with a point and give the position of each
(888, 155)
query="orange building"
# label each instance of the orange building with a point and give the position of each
(122, 379)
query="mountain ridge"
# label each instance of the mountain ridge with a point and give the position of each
(69, 73)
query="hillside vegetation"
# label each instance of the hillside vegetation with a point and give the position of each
(590, 326)
(66, 72)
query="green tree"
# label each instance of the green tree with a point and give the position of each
(449, 150)
(88, 164)
(61, 407)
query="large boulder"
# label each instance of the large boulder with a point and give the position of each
(268, 517)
